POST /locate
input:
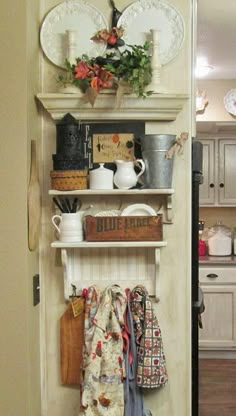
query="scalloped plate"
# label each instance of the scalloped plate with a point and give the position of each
(141, 16)
(230, 102)
(138, 209)
(72, 15)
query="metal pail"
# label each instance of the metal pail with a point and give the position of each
(158, 169)
(157, 141)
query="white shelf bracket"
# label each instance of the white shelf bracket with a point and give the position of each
(67, 275)
(157, 273)
(169, 209)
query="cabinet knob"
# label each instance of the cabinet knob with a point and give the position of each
(212, 185)
(222, 185)
(212, 275)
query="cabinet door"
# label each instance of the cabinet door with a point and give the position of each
(219, 317)
(207, 189)
(227, 171)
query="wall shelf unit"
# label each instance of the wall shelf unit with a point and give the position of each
(103, 263)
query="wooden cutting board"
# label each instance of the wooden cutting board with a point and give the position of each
(71, 344)
(33, 201)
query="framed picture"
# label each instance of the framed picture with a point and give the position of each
(106, 142)
(108, 147)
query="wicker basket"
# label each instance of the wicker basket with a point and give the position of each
(68, 180)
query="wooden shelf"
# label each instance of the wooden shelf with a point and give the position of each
(114, 192)
(110, 244)
(163, 107)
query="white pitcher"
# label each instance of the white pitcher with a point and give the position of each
(125, 176)
(69, 226)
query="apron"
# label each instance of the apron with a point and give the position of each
(151, 365)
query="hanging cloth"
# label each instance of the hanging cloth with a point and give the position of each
(151, 365)
(132, 393)
(103, 392)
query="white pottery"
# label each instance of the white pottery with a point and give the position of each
(69, 226)
(101, 178)
(125, 176)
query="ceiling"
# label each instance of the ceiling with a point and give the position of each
(216, 37)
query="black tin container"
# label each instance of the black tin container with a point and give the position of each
(61, 162)
(69, 141)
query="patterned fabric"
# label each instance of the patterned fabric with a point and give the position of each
(151, 370)
(103, 392)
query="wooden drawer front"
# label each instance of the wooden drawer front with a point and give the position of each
(217, 275)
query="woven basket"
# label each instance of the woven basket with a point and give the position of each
(68, 180)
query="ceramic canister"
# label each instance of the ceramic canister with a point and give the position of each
(101, 178)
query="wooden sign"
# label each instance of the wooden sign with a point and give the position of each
(124, 228)
(113, 146)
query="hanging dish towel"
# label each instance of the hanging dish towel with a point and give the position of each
(103, 392)
(151, 365)
(132, 392)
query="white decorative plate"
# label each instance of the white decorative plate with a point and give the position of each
(141, 16)
(230, 102)
(138, 209)
(71, 15)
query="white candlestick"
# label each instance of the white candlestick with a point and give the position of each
(155, 84)
(72, 36)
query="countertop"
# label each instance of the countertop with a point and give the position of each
(218, 260)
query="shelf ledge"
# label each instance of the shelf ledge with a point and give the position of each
(169, 191)
(99, 244)
(165, 107)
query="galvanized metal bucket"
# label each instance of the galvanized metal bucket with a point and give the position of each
(158, 169)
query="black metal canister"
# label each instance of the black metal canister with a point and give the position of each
(69, 141)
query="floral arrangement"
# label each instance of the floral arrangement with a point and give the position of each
(130, 68)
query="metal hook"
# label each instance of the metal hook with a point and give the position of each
(73, 291)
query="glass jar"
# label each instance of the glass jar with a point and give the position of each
(219, 240)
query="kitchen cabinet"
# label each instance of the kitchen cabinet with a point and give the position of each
(219, 318)
(219, 172)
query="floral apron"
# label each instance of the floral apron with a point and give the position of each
(103, 392)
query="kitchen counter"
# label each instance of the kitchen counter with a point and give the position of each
(218, 260)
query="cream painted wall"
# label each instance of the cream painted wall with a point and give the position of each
(215, 91)
(174, 309)
(19, 344)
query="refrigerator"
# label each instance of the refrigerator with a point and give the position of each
(197, 179)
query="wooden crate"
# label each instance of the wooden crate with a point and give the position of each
(124, 228)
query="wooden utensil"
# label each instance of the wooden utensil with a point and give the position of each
(71, 344)
(33, 201)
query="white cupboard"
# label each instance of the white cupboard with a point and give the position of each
(219, 318)
(219, 172)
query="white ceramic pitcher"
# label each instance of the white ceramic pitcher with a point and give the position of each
(69, 226)
(125, 176)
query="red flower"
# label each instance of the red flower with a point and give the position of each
(96, 83)
(81, 70)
